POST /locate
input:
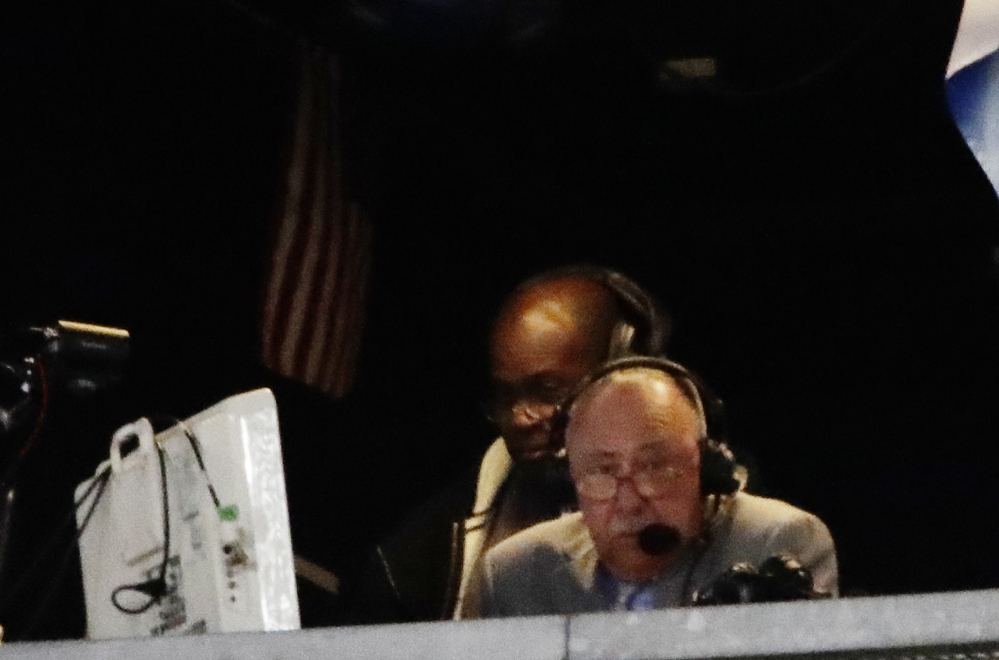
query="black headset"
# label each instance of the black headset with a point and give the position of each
(644, 325)
(720, 473)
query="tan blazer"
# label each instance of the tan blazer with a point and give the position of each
(551, 568)
(493, 472)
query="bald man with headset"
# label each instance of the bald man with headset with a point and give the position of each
(662, 513)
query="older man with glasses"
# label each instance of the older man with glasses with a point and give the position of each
(549, 334)
(662, 515)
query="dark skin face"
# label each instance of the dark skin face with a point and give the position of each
(540, 349)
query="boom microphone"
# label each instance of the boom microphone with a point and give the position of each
(658, 539)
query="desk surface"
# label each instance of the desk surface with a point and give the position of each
(946, 626)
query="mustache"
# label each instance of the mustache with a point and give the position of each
(631, 526)
(654, 537)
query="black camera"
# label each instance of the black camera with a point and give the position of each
(78, 358)
(779, 578)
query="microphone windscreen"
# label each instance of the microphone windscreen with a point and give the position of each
(658, 539)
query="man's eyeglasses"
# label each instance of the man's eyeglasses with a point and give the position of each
(536, 399)
(651, 478)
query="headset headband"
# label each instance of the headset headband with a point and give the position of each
(680, 374)
(638, 307)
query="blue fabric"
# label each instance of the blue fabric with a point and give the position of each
(623, 595)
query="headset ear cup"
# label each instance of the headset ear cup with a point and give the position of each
(622, 338)
(719, 470)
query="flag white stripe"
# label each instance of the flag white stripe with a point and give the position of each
(289, 216)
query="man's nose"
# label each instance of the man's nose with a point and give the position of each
(530, 413)
(627, 497)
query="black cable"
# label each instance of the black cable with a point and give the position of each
(196, 448)
(60, 572)
(100, 480)
(43, 406)
(156, 587)
(455, 564)
(686, 595)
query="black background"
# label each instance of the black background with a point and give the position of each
(812, 219)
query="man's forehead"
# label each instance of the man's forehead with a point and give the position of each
(610, 440)
(547, 316)
(632, 409)
(542, 333)
(653, 447)
(653, 392)
(547, 326)
(546, 348)
(536, 311)
(558, 303)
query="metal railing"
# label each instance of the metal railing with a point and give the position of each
(944, 626)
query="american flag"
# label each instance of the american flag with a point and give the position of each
(314, 296)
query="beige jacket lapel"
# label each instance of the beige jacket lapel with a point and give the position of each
(495, 467)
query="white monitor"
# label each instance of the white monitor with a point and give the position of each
(224, 546)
